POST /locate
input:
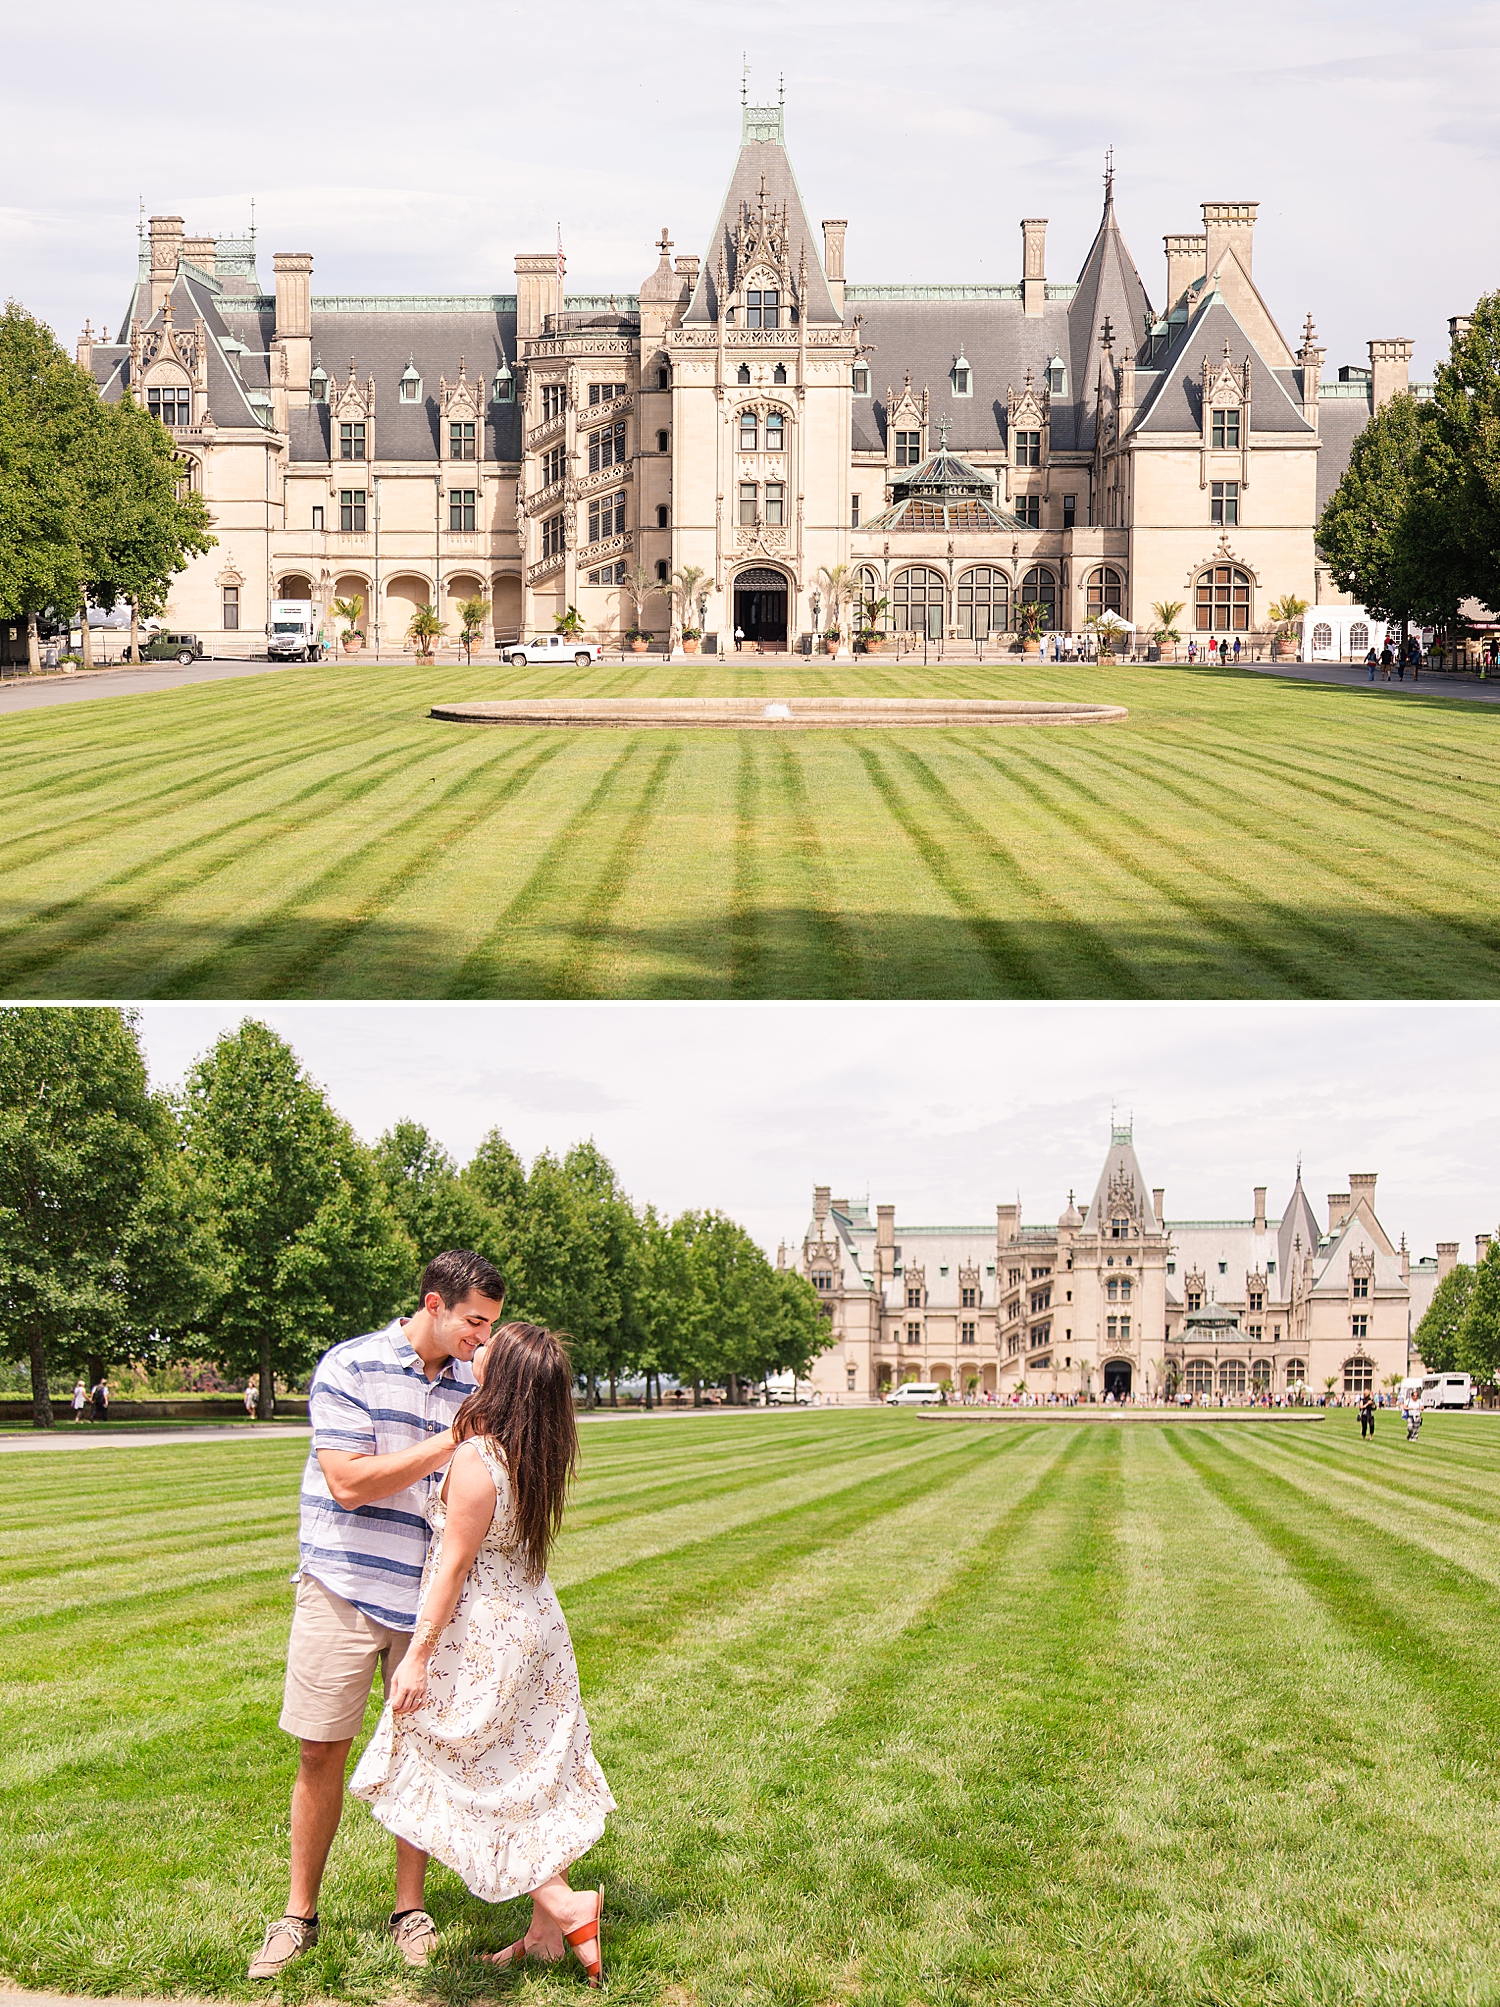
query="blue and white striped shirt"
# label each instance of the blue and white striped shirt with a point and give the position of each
(372, 1395)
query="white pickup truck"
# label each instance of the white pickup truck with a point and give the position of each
(553, 648)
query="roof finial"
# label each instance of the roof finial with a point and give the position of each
(744, 76)
(943, 434)
(1109, 176)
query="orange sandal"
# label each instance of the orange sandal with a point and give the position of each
(581, 1936)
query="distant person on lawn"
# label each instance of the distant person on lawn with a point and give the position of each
(381, 1408)
(80, 1400)
(483, 1755)
(100, 1399)
(252, 1398)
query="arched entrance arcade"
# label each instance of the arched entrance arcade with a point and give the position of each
(1117, 1378)
(761, 598)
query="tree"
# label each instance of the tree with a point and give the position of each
(1436, 1337)
(838, 583)
(1385, 541)
(570, 1261)
(472, 614)
(496, 1178)
(311, 1252)
(687, 587)
(349, 610)
(425, 630)
(97, 1238)
(44, 398)
(141, 520)
(1461, 461)
(640, 585)
(422, 1187)
(1479, 1334)
(1166, 613)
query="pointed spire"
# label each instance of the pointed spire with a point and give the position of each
(1109, 177)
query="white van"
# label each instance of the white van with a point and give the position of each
(1448, 1390)
(915, 1394)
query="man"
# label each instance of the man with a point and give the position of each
(381, 1408)
(1367, 1414)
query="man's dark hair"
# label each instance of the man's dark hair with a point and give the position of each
(459, 1273)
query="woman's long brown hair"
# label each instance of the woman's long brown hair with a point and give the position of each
(524, 1405)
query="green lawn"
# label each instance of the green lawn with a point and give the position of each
(314, 834)
(899, 1713)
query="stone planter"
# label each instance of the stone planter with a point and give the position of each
(1031, 648)
(1286, 651)
(352, 643)
(872, 643)
(691, 647)
(638, 646)
(830, 644)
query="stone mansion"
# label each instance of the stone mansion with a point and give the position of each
(753, 414)
(1115, 1298)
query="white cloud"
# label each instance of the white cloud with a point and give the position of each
(946, 1109)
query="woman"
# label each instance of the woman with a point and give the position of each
(482, 1756)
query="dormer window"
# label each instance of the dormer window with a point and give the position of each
(1057, 377)
(410, 391)
(861, 379)
(317, 385)
(505, 384)
(762, 307)
(963, 377)
(1226, 430)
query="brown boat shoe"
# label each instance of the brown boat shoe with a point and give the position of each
(415, 1934)
(285, 1940)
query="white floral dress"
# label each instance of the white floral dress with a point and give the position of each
(494, 1773)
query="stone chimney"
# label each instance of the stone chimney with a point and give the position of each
(1447, 1257)
(293, 336)
(1481, 1247)
(1158, 1201)
(833, 256)
(1034, 265)
(687, 268)
(1338, 1210)
(1186, 261)
(1458, 327)
(1229, 226)
(1390, 368)
(85, 351)
(1362, 1187)
(166, 249)
(885, 1244)
(202, 252)
(1007, 1219)
(1260, 1208)
(537, 292)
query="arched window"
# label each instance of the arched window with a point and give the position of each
(1322, 635)
(1223, 600)
(1260, 1376)
(1106, 590)
(661, 570)
(664, 378)
(775, 431)
(661, 516)
(919, 602)
(661, 442)
(1198, 1376)
(983, 603)
(1296, 1372)
(1359, 636)
(749, 430)
(1232, 1377)
(744, 375)
(1359, 1374)
(778, 374)
(1039, 588)
(861, 379)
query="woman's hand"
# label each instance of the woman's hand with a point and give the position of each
(409, 1683)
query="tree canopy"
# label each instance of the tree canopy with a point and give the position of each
(1436, 1337)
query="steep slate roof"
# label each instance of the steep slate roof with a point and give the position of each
(1298, 1221)
(757, 158)
(1109, 287)
(995, 338)
(1121, 1160)
(1174, 400)
(1340, 422)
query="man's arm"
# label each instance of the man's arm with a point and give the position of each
(356, 1479)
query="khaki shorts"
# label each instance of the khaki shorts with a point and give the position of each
(330, 1664)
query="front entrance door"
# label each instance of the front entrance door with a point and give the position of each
(760, 607)
(1117, 1378)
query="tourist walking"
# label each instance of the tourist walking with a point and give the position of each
(1372, 661)
(100, 1398)
(252, 1398)
(381, 1408)
(1412, 1409)
(483, 1755)
(1366, 1413)
(1386, 658)
(80, 1400)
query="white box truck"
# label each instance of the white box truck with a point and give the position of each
(294, 630)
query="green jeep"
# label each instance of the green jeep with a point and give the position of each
(165, 647)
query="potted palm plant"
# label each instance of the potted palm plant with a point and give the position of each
(871, 613)
(350, 610)
(1029, 617)
(425, 631)
(639, 585)
(472, 613)
(1285, 615)
(569, 623)
(686, 592)
(837, 581)
(1166, 612)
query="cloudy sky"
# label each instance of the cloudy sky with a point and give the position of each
(418, 149)
(945, 1109)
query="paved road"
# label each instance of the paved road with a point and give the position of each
(125, 682)
(69, 1438)
(1356, 677)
